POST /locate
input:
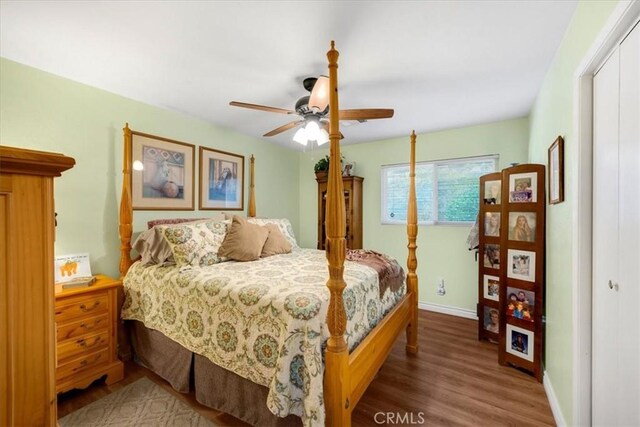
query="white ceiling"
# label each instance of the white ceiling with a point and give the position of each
(439, 64)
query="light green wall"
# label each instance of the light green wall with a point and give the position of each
(551, 116)
(44, 112)
(442, 250)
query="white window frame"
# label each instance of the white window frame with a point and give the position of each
(434, 207)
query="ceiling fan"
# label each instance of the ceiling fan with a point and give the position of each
(313, 111)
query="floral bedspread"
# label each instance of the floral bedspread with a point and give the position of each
(263, 320)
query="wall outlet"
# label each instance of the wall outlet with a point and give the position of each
(440, 291)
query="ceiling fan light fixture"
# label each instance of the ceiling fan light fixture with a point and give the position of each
(319, 99)
(301, 136)
(312, 130)
(323, 137)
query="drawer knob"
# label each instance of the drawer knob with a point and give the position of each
(85, 308)
(83, 343)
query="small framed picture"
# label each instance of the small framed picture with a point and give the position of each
(162, 173)
(520, 303)
(70, 267)
(221, 180)
(520, 342)
(492, 256)
(492, 224)
(492, 287)
(523, 187)
(521, 265)
(491, 319)
(492, 192)
(522, 226)
(556, 171)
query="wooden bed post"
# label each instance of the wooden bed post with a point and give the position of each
(126, 212)
(252, 190)
(412, 261)
(336, 380)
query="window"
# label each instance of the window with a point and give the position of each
(447, 191)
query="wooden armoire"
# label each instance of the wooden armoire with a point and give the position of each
(353, 205)
(27, 334)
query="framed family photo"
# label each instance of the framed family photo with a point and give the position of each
(519, 342)
(520, 303)
(523, 187)
(521, 265)
(556, 171)
(221, 180)
(491, 287)
(162, 173)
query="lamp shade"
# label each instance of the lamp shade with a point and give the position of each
(319, 98)
(323, 137)
(301, 136)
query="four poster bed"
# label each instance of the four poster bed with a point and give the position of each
(316, 369)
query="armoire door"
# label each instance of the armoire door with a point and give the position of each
(616, 238)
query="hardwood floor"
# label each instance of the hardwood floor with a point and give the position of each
(455, 380)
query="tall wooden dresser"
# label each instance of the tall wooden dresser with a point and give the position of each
(27, 336)
(353, 205)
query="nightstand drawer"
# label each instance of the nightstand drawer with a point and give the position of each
(88, 305)
(86, 344)
(82, 363)
(67, 330)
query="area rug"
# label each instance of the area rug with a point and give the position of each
(139, 404)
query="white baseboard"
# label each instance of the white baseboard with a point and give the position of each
(445, 309)
(553, 401)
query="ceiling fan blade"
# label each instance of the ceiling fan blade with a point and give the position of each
(319, 98)
(261, 107)
(283, 128)
(326, 127)
(366, 114)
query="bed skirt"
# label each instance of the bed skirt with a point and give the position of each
(214, 386)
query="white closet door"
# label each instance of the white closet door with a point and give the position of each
(629, 233)
(605, 367)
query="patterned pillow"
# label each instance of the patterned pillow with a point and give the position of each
(196, 244)
(283, 224)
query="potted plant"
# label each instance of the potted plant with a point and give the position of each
(322, 167)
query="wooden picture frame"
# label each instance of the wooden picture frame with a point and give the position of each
(162, 173)
(556, 171)
(221, 180)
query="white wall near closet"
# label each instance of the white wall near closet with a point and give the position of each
(616, 237)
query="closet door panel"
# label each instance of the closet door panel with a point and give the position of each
(629, 232)
(605, 242)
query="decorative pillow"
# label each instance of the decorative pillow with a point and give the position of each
(244, 241)
(283, 224)
(195, 244)
(276, 242)
(170, 221)
(153, 248)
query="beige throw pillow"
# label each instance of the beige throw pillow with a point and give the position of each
(244, 241)
(276, 242)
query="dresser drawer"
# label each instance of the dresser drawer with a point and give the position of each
(73, 329)
(86, 305)
(82, 363)
(86, 344)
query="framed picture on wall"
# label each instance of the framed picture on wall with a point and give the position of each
(221, 180)
(162, 173)
(519, 342)
(556, 171)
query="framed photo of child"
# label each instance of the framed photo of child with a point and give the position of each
(522, 226)
(520, 342)
(492, 287)
(523, 188)
(491, 320)
(520, 303)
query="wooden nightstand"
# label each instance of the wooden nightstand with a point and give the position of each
(86, 334)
